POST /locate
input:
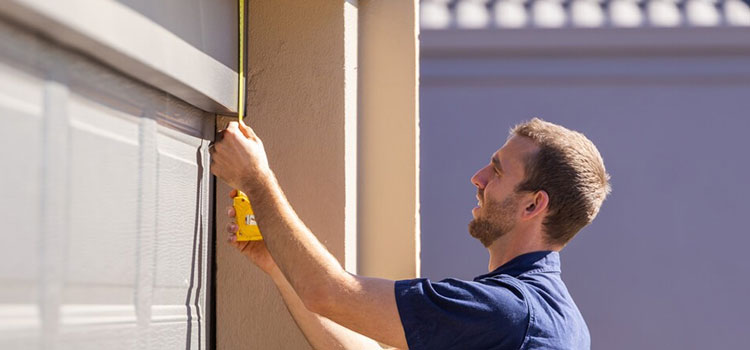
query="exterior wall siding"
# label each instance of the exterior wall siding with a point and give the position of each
(388, 179)
(302, 60)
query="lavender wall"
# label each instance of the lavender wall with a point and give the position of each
(664, 265)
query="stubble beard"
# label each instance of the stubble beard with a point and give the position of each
(497, 222)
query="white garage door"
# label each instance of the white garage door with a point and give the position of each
(104, 206)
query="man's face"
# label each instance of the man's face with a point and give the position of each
(497, 210)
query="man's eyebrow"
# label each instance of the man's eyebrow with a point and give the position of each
(496, 163)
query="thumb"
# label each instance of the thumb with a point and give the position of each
(247, 131)
(243, 128)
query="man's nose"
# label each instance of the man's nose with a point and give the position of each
(480, 178)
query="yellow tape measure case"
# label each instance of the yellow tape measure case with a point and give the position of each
(245, 218)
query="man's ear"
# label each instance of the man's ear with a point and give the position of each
(537, 205)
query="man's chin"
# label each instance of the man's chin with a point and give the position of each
(481, 230)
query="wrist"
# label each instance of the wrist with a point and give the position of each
(260, 180)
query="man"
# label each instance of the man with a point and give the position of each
(536, 193)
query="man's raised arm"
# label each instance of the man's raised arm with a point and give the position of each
(364, 305)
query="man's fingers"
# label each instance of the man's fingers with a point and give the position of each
(232, 194)
(231, 131)
(231, 212)
(245, 130)
(232, 227)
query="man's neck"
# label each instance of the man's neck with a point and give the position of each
(513, 244)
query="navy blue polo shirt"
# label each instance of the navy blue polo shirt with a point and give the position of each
(523, 304)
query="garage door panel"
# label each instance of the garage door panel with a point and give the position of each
(20, 112)
(105, 214)
(178, 186)
(104, 169)
(169, 326)
(20, 192)
(109, 295)
(179, 253)
(75, 316)
(20, 340)
(20, 325)
(98, 337)
(171, 336)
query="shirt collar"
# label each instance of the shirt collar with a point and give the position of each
(547, 261)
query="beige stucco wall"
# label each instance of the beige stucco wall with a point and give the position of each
(300, 77)
(388, 202)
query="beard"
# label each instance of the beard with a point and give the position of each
(498, 220)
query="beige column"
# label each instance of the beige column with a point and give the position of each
(388, 202)
(302, 103)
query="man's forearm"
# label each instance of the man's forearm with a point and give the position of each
(320, 332)
(299, 255)
(364, 305)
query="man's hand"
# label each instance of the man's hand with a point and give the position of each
(254, 250)
(238, 156)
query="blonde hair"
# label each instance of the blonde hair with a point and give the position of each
(570, 169)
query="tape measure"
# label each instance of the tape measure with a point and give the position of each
(248, 227)
(245, 217)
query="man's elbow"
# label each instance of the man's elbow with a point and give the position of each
(318, 298)
(325, 298)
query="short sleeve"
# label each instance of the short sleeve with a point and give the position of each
(456, 314)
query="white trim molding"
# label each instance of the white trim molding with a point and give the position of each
(134, 44)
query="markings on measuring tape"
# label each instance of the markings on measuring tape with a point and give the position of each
(250, 220)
